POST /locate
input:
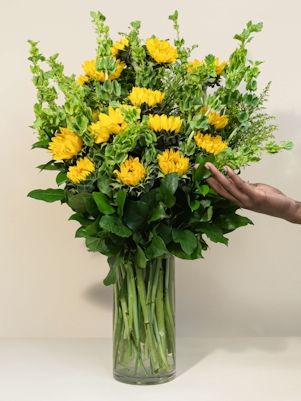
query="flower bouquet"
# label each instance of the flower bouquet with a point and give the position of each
(129, 144)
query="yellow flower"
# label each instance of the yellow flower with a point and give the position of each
(196, 63)
(159, 123)
(219, 67)
(143, 95)
(119, 46)
(108, 124)
(95, 115)
(172, 162)
(212, 144)
(81, 170)
(216, 119)
(65, 145)
(89, 67)
(131, 171)
(82, 79)
(161, 51)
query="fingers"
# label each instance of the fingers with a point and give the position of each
(220, 190)
(233, 186)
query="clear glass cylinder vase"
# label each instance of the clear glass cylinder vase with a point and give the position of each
(144, 350)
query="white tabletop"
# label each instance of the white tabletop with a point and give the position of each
(215, 369)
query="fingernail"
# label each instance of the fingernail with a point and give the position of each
(225, 169)
(206, 165)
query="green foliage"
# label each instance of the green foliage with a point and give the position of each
(168, 209)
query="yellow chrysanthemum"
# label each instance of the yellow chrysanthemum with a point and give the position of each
(143, 95)
(196, 63)
(216, 119)
(212, 144)
(161, 51)
(172, 162)
(95, 115)
(219, 67)
(65, 145)
(82, 79)
(131, 171)
(108, 124)
(89, 67)
(158, 123)
(81, 170)
(119, 46)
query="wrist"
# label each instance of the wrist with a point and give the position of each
(294, 215)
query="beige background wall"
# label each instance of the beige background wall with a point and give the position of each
(50, 286)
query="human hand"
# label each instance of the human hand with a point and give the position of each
(259, 198)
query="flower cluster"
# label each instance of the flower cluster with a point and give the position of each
(131, 140)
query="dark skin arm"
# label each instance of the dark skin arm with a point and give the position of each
(259, 198)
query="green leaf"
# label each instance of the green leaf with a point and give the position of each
(177, 250)
(243, 116)
(103, 203)
(93, 228)
(114, 262)
(168, 187)
(80, 233)
(207, 215)
(51, 166)
(47, 195)
(215, 234)
(91, 207)
(186, 239)
(61, 177)
(84, 221)
(136, 214)
(159, 213)
(157, 248)
(150, 197)
(115, 226)
(111, 277)
(231, 222)
(164, 232)
(139, 258)
(77, 202)
(201, 173)
(121, 196)
(41, 144)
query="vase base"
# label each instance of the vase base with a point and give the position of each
(142, 381)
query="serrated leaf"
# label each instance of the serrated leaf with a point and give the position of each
(47, 195)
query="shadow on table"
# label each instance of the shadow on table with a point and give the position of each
(192, 351)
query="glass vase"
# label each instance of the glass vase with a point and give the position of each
(144, 322)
